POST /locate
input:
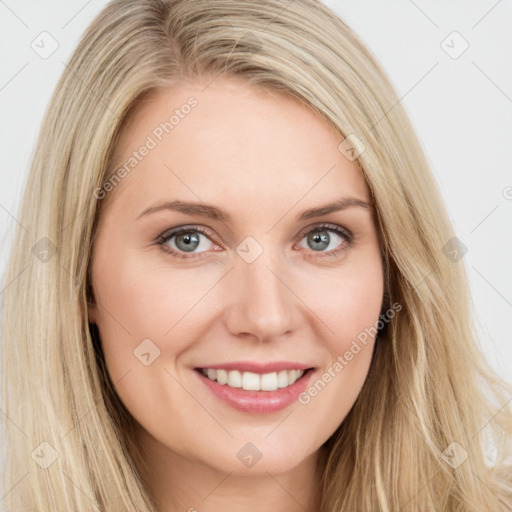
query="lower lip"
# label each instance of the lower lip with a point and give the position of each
(257, 401)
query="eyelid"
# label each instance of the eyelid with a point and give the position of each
(169, 233)
(324, 225)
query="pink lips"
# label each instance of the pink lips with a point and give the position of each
(258, 401)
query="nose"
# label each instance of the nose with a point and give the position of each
(261, 303)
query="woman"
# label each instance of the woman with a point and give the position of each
(190, 345)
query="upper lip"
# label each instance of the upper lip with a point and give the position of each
(253, 366)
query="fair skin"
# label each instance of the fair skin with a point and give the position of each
(263, 158)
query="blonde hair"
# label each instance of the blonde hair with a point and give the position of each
(428, 385)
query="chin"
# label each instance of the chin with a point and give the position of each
(257, 458)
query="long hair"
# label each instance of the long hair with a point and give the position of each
(419, 434)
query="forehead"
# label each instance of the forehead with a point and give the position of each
(230, 139)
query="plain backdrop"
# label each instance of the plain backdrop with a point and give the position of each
(450, 63)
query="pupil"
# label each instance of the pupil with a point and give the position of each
(322, 238)
(188, 239)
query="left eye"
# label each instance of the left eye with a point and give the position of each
(320, 238)
(188, 239)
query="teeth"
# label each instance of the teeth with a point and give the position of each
(234, 379)
(268, 382)
(282, 379)
(254, 381)
(222, 376)
(250, 381)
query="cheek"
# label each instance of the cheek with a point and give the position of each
(141, 301)
(349, 299)
(349, 302)
(359, 303)
(145, 323)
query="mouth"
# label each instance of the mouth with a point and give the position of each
(254, 381)
(256, 388)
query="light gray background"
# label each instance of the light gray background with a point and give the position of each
(460, 105)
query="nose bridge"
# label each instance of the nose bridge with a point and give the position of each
(262, 304)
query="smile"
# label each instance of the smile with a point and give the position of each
(252, 392)
(253, 381)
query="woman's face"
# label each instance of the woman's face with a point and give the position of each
(260, 280)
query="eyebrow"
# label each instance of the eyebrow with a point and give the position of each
(212, 212)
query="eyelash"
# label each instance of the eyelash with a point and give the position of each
(165, 237)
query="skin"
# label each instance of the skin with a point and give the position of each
(263, 158)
